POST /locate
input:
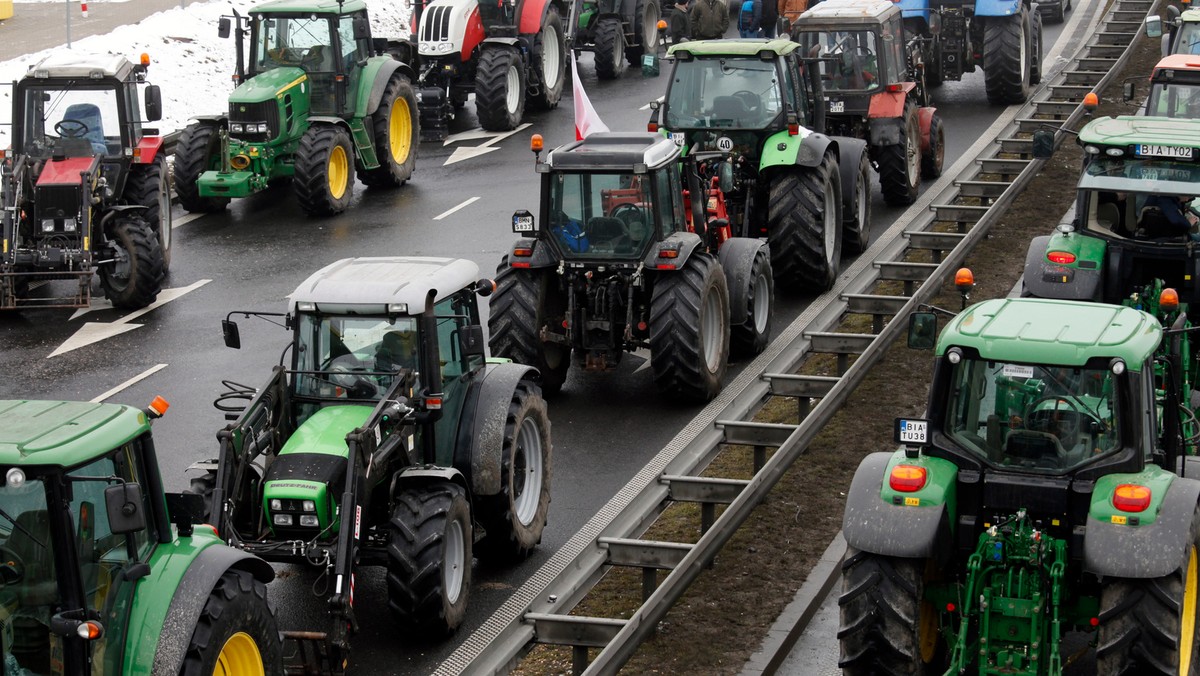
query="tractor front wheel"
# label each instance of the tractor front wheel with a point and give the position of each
(499, 88)
(856, 236)
(886, 626)
(198, 151)
(1149, 626)
(429, 558)
(933, 159)
(134, 277)
(552, 64)
(610, 49)
(324, 177)
(236, 633)
(514, 518)
(149, 186)
(804, 223)
(396, 135)
(525, 302)
(900, 164)
(689, 329)
(1006, 48)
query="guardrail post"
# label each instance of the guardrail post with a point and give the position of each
(760, 458)
(803, 406)
(579, 659)
(649, 583)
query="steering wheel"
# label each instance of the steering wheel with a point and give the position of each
(71, 128)
(1032, 413)
(356, 386)
(749, 98)
(628, 213)
(12, 568)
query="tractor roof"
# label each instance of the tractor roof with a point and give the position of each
(1183, 69)
(1190, 15)
(739, 47)
(64, 433)
(68, 64)
(849, 11)
(371, 285)
(307, 6)
(1179, 62)
(1064, 333)
(633, 152)
(1127, 130)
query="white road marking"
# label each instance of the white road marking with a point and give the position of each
(184, 220)
(451, 210)
(131, 382)
(94, 332)
(484, 148)
(647, 106)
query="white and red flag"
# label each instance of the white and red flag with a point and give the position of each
(586, 119)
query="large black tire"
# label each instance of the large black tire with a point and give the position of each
(933, 66)
(551, 62)
(1035, 51)
(1142, 620)
(752, 336)
(235, 622)
(149, 186)
(645, 26)
(324, 179)
(397, 135)
(610, 49)
(1058, 11)
(134, 279)
(499, 88)
(198, 150)
(932, 161)
(524, 301)
(886, 627)
(900, 164)
(429, 558)
(689, 329)
(856, 236)
(514, 518)
(804, 223)
(1006, 49)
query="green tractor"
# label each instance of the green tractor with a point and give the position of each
(391, 441)
(1052, 488)
(616, 31)
(760, 104)
(318, 101)
(103, 572)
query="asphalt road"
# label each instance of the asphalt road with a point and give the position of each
(605, 427)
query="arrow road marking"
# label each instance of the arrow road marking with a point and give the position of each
(131, 382)
(454, 209)
(94, 332)
(484, 148)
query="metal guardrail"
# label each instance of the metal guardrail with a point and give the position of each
(538, 611)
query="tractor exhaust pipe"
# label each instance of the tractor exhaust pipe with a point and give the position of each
(431, 373)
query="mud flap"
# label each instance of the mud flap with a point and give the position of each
(850, 151)
(1043, 279)
(736, 256)
(1149, 551)
(875, 526)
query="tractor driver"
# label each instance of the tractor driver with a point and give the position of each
(396, 351)
(1167, 216)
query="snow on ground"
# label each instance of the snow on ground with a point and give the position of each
(191, 65)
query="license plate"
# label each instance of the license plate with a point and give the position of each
(1145, 150)
(910, 431)
(522, 224)
(837, 106)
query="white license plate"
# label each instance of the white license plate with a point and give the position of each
(912, 431)
(1164, 151)
(522, 223)
(837, 106)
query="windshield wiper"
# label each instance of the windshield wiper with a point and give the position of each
(22, 528)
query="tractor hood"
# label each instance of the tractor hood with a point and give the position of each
(64, 432)
(325, 431)
(270, 84)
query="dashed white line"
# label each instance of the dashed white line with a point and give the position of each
(187, 218)
(466, 203)
(131, 382)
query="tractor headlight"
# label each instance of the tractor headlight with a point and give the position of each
(47, 225)
(70, 225)
(276, 505)
(264, 128)
(444, 47)
(309, 506)
(237, 127)
(282, 519)
(309, 520)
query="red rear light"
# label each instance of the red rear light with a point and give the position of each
(793, 130)
(524, 253)
(1061, 257)
(668, 253)
(518, 264)
(1131, 498)
(894, 88)
(907, 478)
(652, 127)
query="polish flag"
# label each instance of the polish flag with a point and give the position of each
(586, 119)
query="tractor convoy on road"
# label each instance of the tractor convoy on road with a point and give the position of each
(1052, 486)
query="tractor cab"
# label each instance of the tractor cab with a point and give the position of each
(1174, 87)
(1183, 32)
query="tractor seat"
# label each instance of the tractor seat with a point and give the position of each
(1032, 445)
(608, 232)
(89, 114)
(730, 108)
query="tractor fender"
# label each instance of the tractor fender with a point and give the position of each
(736, 256)
(925, 118)
(543, 255)
(1149, 551)
(884, 131)
(511, 42)
(192, 593)
(872, 525)
(1044, 279)
(329, 119)
(533, 13)
(850, 152)
(147, 149)
(491, 400)
(215, 120)
(378, 72)
(889, 104)
(423, 474)
(806, 149)
(687, 242)
(999, 8)
(910, 9)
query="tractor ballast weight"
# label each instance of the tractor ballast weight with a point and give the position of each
(617, 32)
(320, 101)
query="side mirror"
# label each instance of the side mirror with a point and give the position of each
(230, 330)
(1127, 91)
(471, 342)
(922, 330)
(485, 287)
(1154, 26)
(124, 505)
(1043, 144)
(153, 103)
(224, 27)
(362, 28)
(725, 177)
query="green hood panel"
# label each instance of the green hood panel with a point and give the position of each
(1128, 129)
(1157, 479)
(268, 85)
(64, 433)
(325, 431)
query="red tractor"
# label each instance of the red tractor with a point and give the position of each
(84, 185)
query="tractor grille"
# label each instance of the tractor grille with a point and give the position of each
(437, 24)
(265, 111)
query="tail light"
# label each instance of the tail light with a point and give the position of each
(907, 478)
(1061, 257)
(1131, 498)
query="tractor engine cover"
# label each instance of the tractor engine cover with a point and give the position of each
(300, 486)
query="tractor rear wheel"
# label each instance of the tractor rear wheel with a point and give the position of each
(429, 558)
(856, 236)
(396, 135)
(134, 278)
(552, 64)
(804, 223)
(900, 164)
(149, 186)
(886, 626)
(523, 303)
(1006, 58)
(198, 150)
(752, 335)
(499, 88)
(689, 329)
(645, 26)
(324, 178)
(610, 49)
(236, 633)
(514, 518)
(1149, 626)
(932, 160)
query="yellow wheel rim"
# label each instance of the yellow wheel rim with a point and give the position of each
(1187, 623)
(239, 657)
(400, 131)
(339, 172)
